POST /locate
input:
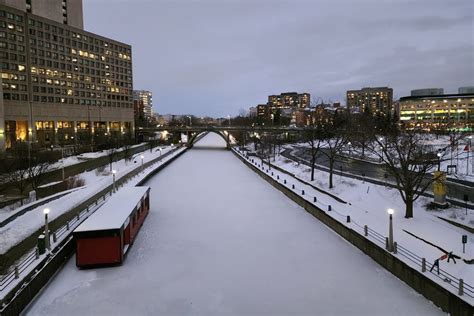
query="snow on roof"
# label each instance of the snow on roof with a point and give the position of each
(115, 211)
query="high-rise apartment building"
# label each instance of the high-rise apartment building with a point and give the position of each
(60, 84)
(145, 99)
(376, 100)
(62, 11)
(289, 100)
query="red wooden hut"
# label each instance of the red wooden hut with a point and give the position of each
(104, 238)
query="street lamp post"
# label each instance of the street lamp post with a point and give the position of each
(228, 116)
(142, 160)
(62, 160)
(390, 230)
(190, 122)
(46, 229)
(113, 178)
(467, 163)
(439, 161)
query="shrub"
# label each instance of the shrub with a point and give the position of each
(74, 182)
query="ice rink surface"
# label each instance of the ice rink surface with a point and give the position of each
(220, 240)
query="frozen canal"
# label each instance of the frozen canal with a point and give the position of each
(220, 240)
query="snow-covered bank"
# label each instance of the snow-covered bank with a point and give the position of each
(368, 204)
(11, 282)
(28, 223)
(220, 240)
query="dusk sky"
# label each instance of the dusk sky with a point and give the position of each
(217, 57)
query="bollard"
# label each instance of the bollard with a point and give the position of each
(78, 216)
(103, 197)
(423, 265)
(67, 225)
(97, 202)
(394, 247)
(366, 230)
(87, 209)
(54, 237)
(284, 181)
(461, 286)
(348, 219)
(272, 173)
(17, 273)
(278, 177)
(315, 199)
(302, 192)
(292, 186)
(329, 208)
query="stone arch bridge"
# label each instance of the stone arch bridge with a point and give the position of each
(194, 131)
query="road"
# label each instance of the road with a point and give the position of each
(220, 240)
(376, 171)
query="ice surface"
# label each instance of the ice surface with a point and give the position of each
(220, 240)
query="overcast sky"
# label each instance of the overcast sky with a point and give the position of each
(216, 57)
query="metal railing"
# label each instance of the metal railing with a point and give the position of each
(450, 281)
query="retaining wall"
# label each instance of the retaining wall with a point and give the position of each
(434, 292)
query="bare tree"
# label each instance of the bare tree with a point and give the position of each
(152, 142)
(111, 155)
(40, 163)
(362, 130)
(15, 167)
(336, 137)
(127, 152)
(410, 162)
(314, 136)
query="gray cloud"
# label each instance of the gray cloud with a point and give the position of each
(215, 57)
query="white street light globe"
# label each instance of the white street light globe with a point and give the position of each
(114, 171)
(390, 211)
(142, 156)
(46, 211)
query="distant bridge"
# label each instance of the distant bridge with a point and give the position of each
(223, 131)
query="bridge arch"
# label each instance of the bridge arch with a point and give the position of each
(192, 138)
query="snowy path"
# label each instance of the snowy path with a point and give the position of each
(220, 240)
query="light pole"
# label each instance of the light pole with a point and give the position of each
(350, 152)
(142, 160)
(62, 159)
(439, 161)
(468, 150)
(390, 211)
(190, 122)
(228, 116)
(160, 151)
(113, 178)
(46, 229)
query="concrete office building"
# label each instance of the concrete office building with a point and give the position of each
(465, 90)
(60, 84)
(145, 99)
(438, 112)
(425, 92)
(377, 100)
